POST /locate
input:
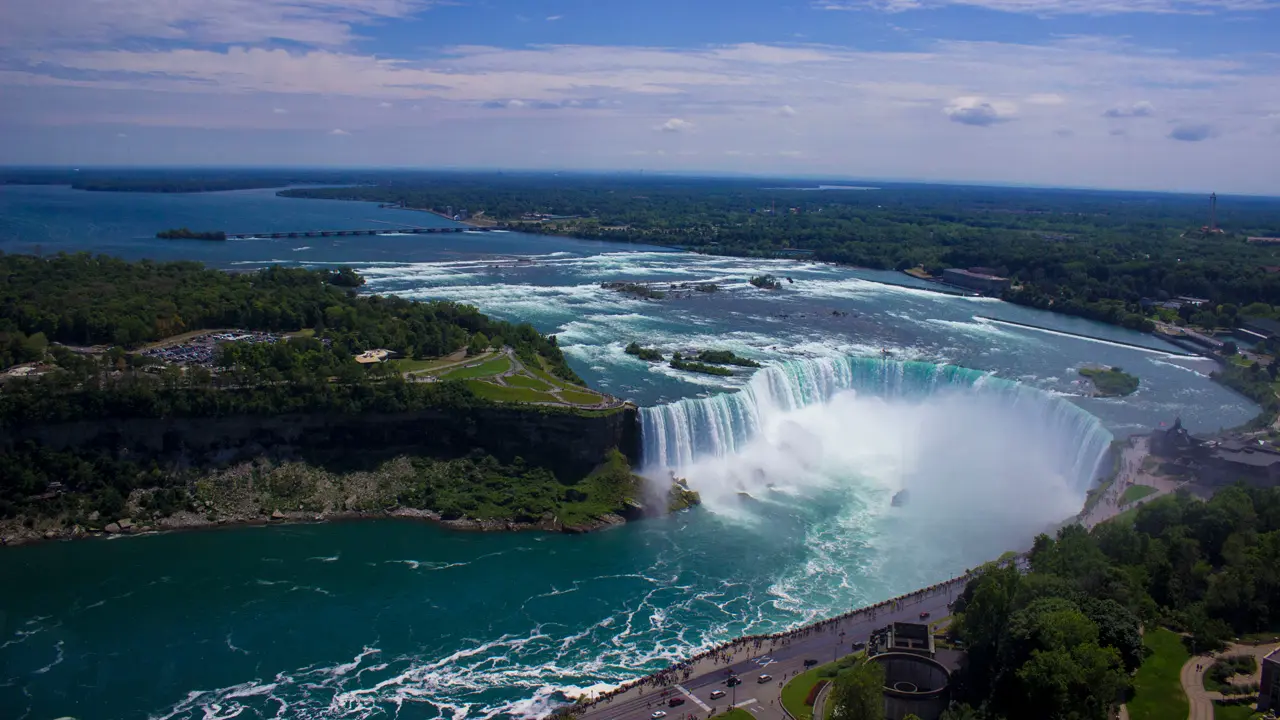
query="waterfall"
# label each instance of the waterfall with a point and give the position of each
(679, 434)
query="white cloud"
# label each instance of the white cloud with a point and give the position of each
(81, 22)
(121, 135)
(279, 111)
(1137, 110)
(338, 131)
(675, 125)
(787, 111)
(972, 110)
(1059, 7)
(553, 18)
(384, 104)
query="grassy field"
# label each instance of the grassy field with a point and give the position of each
(525, 381)
(1157, 688)
(580, 398)
(797, 689)
(1234, 712)
(1135, 492)
(489, 391)
(496, 366)
(736, 714)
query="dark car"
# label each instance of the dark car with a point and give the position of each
(924, 615)
(859, 645)
(733, 681)
(675, 702)
(810, 662)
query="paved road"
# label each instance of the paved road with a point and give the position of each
(782, 659)
(1193, 671)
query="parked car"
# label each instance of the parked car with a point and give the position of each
(733, 681)
(717, 694)
(675, 702)
(859, 645)
(810, 662)
(764, 679)
(658, 714)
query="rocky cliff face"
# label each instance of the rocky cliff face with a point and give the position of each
(568, 443)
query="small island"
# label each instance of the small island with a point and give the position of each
(725, 357)
(639, 290)
(1111, 382)
(680, 363)
(644, 353)
(766, 282)
(183, 233)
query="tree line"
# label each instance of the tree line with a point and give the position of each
(1061, 641)
(1087, 253)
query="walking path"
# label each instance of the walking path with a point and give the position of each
(779, 656)
(1193, 677)
(1135, 469)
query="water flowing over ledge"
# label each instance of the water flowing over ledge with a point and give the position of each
(679, 434)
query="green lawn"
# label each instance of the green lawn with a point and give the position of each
(496, 366)
(797, 689)
(580, 398)
(736, 714)
(525, 381)
(1234, 712)
(489, 391)
(1135, 492)
(1157, 688)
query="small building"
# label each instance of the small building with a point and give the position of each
(370, 357)
(1193, 301)
(913, 685)
(981, 282)
(912, 638)
(1260, 328)
(1269, 692)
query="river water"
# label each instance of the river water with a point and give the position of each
(377, 619)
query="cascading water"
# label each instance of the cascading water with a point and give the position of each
(948, 400)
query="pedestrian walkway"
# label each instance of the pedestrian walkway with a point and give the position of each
(1193, 671)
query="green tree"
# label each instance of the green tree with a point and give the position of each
(479, 343)
(858, 693)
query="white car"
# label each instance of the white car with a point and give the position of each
(717, 694)
(658, 714)
(764, 679)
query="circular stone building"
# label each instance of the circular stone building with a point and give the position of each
(913, 684)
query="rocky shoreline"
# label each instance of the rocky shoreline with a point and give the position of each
(188, 521)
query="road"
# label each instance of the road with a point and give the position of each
(782, 659)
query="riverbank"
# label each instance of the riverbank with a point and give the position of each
(261, 492)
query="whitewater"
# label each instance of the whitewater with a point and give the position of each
(873, 384)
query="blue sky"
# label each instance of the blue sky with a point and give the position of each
(1149, 94)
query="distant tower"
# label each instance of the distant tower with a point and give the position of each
(1213, 212)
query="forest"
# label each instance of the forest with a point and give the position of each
(1090, 253)
(1061, 641)
(84, 300)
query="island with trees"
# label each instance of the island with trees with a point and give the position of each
(644, 353)
(1110, 381)
(183, 233)
(100, 426)
(679, 362)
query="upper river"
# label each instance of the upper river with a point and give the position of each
(375, 619)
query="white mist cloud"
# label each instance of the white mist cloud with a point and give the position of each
(675, 125)
(971, 110)
(338, 131)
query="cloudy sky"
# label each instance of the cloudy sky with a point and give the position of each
(1158, 94)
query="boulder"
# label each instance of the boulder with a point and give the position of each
(50, 534)
(112, 528)
(125, 524)
(93, 516)
(277, 515)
